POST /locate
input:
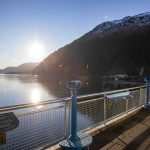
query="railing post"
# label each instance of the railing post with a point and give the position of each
(147, 88)
(147, 79)
(67, 118)
(141, 97)
(127, 101)
(104, 109)
(75, 141)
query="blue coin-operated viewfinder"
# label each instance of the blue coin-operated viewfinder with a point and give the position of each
(74, 84)
(75, 141)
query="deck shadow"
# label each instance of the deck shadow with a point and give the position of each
(114, 132)
(142, 139)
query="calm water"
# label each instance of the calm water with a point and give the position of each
(20, 89)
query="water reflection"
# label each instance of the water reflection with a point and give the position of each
(20, 89)
(35, 95)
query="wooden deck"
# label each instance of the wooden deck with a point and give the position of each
(131, 134)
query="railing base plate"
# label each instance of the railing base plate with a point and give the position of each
(83, 141)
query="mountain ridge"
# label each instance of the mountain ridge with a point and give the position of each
(119, 46)
(25, 68)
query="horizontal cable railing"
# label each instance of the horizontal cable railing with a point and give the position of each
(46, 123)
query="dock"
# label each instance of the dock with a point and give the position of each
(130, 134)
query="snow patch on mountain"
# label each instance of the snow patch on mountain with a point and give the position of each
(122, 25)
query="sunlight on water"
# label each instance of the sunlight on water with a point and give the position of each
(22, 89)
(35, 95)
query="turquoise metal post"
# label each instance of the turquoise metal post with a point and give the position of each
(73, 135)
(75, 141)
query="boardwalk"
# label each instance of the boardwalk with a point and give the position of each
(131, 134)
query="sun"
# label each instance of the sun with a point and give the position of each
(36, 51)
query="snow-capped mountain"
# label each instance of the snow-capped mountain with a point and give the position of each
(120, 26)
(113, 47)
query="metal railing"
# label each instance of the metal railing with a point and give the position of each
(46, 123)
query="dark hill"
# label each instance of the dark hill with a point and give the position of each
(25, 68)
(117, 47)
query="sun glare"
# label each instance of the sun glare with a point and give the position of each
(35, 95)
(36, 51)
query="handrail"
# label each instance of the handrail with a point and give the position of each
(109, 92)
(22, 106)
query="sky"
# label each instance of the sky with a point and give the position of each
(30, 30)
